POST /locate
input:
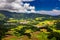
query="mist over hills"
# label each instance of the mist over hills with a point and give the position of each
(25, 15)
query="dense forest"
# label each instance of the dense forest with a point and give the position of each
(24, 26)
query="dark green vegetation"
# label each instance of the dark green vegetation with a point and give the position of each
(22, 26)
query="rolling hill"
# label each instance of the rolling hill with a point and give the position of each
(25, 15)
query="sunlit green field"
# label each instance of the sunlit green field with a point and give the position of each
(40, 28)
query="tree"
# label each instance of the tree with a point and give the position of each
(2, 28)
(2, 17)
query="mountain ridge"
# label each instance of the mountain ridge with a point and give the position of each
(24, 15)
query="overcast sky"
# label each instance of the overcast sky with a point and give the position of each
(50, 7)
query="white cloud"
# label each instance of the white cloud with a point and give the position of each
(58, 0)
(19, 6)
(32, 7)
(52, 12)
(26, 5)
(28, 0)
(16, 5)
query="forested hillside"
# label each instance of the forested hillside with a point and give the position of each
(24, 26)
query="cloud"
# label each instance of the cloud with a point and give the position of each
(28, 0)
(52, 12)
(16, 5)
(58, 0)
(19, 6)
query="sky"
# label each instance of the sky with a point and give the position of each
(46, 4)
(50, 7)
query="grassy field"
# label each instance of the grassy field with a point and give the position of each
(39, 28)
